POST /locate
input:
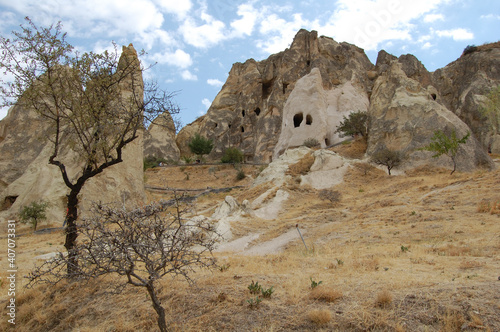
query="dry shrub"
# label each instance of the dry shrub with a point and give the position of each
(384, 299)
(354, 150)
(452, 321)
(333, 196)
(492, 207)
(326, 294)
(320, 316)
(467, 265)
(368, 264)
(302, 166)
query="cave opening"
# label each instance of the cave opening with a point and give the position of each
(297, 119)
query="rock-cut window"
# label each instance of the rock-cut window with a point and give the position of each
(309, 119)
(297, 119)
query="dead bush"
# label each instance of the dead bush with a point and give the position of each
(333, 196)
(384, 299)
(326, 294)
(320, 316)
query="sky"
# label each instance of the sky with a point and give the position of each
(193, 43)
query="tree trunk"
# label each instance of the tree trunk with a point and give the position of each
(72, 232)
(158, 308)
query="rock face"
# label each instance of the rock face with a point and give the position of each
(26, 175)
(303, 92)
(248, 113)
(159, 139)
(404, 115)
(463, 84)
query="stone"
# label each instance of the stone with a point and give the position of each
(159, 139)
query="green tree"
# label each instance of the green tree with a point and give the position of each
(388, 158)
(355, 124)
(34, 213)
(200, 145)
(442, 143)
(95, 104)
(232, 156)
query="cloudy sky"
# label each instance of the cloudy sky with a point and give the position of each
(195, 42)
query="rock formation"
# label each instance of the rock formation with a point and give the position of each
(248, 113)
(268, 106)
(26, 175)
(159, 139)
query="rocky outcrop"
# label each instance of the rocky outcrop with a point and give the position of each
(313, 112)
(248, 112)
(404, 114)
(159, 139)
(463, 84)
(26, 176)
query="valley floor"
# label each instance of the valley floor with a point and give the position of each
(413, 252)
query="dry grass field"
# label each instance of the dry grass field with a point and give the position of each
(419, 251)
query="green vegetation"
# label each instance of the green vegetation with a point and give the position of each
(153, 161)
(232, 156)
(442, 143)
(200, 145)
(355, 124)
(388, 158)
(315, 284)
(34, 213)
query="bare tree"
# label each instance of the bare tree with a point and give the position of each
(142, 246)
(95, 104)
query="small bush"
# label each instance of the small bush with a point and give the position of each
(315, 284)
(232, 156)
(266, 293)
(200, 145)
(240, 175)
(187, 159)
(254, 288)
(153, 161)
(325, 294)
(384, 299)
(388, 158)
(320, 316)
(333, 196)
(470, 49)
(311, 142)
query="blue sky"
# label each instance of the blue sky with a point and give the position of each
(195, 42)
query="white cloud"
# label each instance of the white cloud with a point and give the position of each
(426, 46)
(491, 17)
(368, 23)
(207, 103)
(178, 7)
(179, 58)
(188, 76)
(456, 34)
(215, 82)
(204, 35)
(433, 17)
(245, 25)
(278, 33)
(92, 17)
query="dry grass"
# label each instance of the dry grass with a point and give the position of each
(320, 317)
(448, 279)
(302, 166)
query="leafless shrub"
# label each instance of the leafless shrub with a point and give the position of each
(142, 246)
(333, 196)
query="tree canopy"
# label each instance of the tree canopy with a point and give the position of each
(95, 103)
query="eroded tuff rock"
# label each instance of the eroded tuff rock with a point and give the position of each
(248, 111)
(463, 84)
(404, 114)
(159, 139)
(26, 175)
